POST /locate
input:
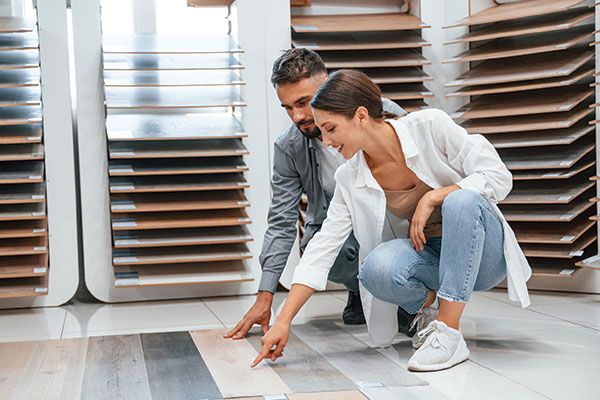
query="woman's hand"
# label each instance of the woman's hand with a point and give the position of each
(424, 209)
(273, 342)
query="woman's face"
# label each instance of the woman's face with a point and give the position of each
(342, 133)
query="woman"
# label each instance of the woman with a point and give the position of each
(427, 169)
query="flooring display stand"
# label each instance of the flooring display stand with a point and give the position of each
(38, 225)
(171, 152)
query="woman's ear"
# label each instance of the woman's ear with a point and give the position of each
(361, 115)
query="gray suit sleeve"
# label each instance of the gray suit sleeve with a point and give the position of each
(282, 219)
(392, 107)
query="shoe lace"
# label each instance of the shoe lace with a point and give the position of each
(434, 331)
(419, 321)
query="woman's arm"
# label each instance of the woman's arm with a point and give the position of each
(424, 209)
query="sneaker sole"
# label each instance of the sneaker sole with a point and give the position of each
(460, 355)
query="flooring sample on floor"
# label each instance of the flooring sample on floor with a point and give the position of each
(404, 393)
(175, 368)
(15, 357)
(302, 368)
(115, 369)
(229, 363)
(360, 363)
(344, 395)
(54, 371)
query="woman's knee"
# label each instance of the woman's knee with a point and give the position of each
(381, 265)
(462, 202)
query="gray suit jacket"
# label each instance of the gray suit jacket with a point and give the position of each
(295, 169)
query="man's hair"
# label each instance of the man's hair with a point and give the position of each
(296, 64)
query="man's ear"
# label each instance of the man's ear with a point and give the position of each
(361, 115)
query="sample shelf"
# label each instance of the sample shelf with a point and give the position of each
(182, 237)
(178, 183)
(175, 62)
(188, 254)
(190, 148)
(177, 220)
(171, 97)
(168, 44)
(359, 40)
(172, 78)
(356, 23)
(188, 166)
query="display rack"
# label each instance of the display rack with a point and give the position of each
(530, 70)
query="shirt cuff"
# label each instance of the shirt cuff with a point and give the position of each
(474, 182)
(268, 282)
(315, 278)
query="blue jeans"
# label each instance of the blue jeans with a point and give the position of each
(469, 256)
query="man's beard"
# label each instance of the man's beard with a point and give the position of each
(310, 133)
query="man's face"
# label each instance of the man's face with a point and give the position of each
(295, 99)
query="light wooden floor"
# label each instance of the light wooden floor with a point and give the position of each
(322, 361)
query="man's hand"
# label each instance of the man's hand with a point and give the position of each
(259, 313)
(273, 342)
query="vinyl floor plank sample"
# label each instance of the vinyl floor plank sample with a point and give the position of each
(405, 91)
(556, 268)
(181, 237)
(172, 97)
(10, 41)
(19, 59)
(29, 261)
(412, 105)
(541, 138)
(23, 287)
(130, 127)
(21, 212)
(10, 272)
(534, 122)
(397, 75)
(176, 369)
(553, 232)
(580, 74)
(155, 202)
(373, 58)
(190, 166)
(181, 149)
(526, 45)
(21, 96)
(303, 369)
(229, 363)
(22, 172)
(546, 212)
(359, 40)
(24, 246)
(583, 165)
(179, 255)
(514, 10)
(20, 115)
(185, 183)
(17, 24)
(153, 62)
(345, 353)
(546, 157)
(548, 192)
(172, 78)
(115, 369)
(174, 220)
(54, 371)
(22, 152)
(22, 193)
(15, 356)
(338, 395)
(525, 68)
(526, 103)
(19, 229)
(568, 251)
(18, 134)
(356, 22)
(168, 44)
(19, 78)
(537, 24)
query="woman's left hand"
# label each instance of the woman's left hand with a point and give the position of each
(424, 209)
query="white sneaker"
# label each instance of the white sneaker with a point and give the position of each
(443, 348)
(422, 319)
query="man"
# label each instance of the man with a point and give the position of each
(301, 163)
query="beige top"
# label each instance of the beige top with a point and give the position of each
(402, 203)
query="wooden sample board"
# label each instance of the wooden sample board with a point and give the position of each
(553, 268)
(545, 157)
(182, 237)
(541, 138)
(583, 165)
(172, 97)
(22, 193)
(553, 232)
(128, 203)
(548, 192)
(129, 127)
(177, 255)
(10, 41)
(207, 77)
(21, 212)
(186, 183)
(22, 152)
(359, 40)
(19, 77)
(176, 220)
(18, 134)
(356, 23)
(22, 96)
(405, 91)
(373, 58)
(23, 287)
(168, 44)
(397, 75)
(17, 24)
(189, 148)
(19, 59)
(23, 246)
(189, 166)
(22, 172)
(20, 115)
(20, 229)
(152, 62)
(568, 251)
(546, 212)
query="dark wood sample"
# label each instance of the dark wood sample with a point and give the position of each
(17, 134)
(356, 22)
(397, 75)
(22, 41)
(11, 272)
(412, 105)
(130, 127)
(20, 115)
(22, 172)
(553, 268)
(149, 43)
(19, 77)
(19, 59)
(583, 165)
(373, 58)
(547, 157)
(157, 62)
(526, 103)
(525, 68)
(359, 40)
(155, 202)
(175, 220)
(541, 138)
(181, 166)
(513, 10)
(21, 229)
(187, 254)
(548, 192)
(20, 96)
(185, 183)
(569, 251)
(523, 123)
(17, 24)
(23, 287)
(172, 97)
(546, 212)
(22, 212)
(182, 237)
(23, 246)
(511, 87)
(181, 149)
(552, 232)
(538, 24)
(405, 91)
(209, 77)
(525, 45)
(22, 193)
(22, 152)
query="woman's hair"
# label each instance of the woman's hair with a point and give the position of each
(346, 90)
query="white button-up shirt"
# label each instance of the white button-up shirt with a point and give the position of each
(440, 153)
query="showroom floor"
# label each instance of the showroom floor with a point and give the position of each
(550, 350)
